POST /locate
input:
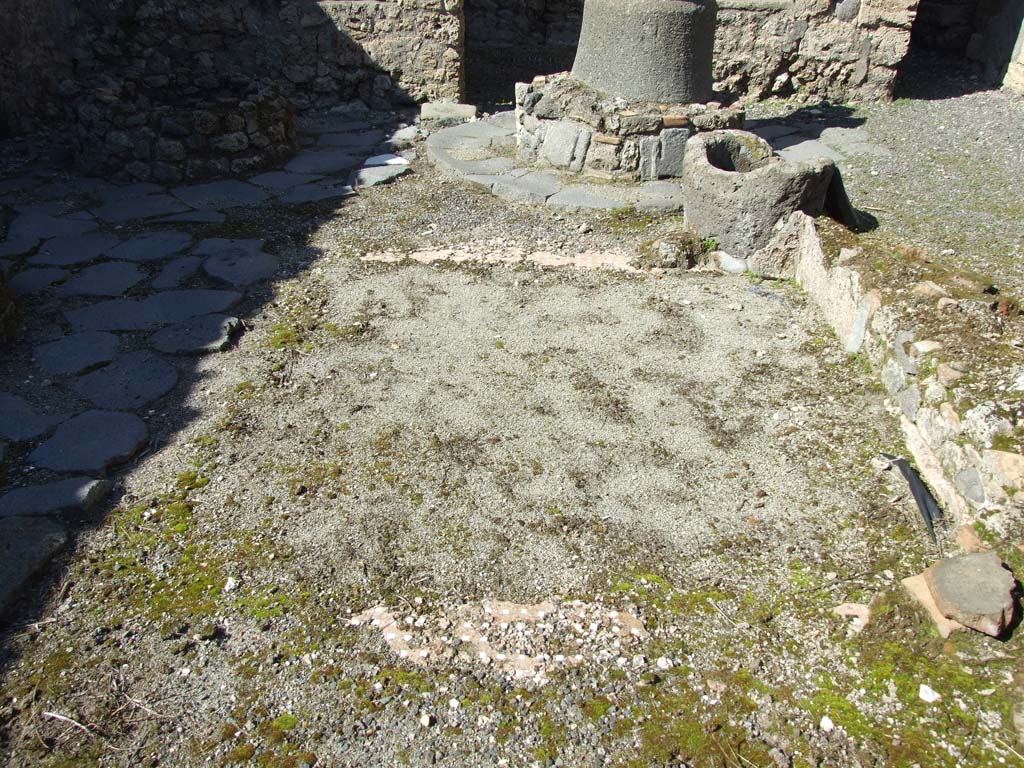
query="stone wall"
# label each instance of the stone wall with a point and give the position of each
(33, 61)
(841, 51)
(846, 50)
(509, 41)
(171, 89)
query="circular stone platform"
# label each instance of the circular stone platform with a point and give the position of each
(481, 153)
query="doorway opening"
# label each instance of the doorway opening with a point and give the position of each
(960, 46)
(510, 41)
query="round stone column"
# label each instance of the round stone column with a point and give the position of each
(648, 50)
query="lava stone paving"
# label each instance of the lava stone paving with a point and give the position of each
(124, 291)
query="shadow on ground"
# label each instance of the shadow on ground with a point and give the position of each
(123, 292)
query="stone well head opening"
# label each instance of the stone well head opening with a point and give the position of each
(737, 152)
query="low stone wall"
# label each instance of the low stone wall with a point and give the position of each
(171, 89)
(563, 123)
(952, 447)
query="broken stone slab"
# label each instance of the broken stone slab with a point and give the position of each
(17, 247)
(200, 335)
(92, 442)
(534, 187)
(77, 353)
(387, 158)
(771, 131)
(917, 588)
(151, 312)
(36, 223)
(176, 271)
(111, 278)
(360, 140)
(19, 420)
(128, 382)
(976, 590)
(797, 149)
(78, 494)
(144, 207)
(381, 174)
(26, 546)
(281, 180)
(193, 217)
(324, 162)
(30, 281)
(74, 249)
(576, 197)
(447, 112)
(660, 197)
(215, 195)
(314, 193)
(236, 262)
(115, 193)
(152, 246)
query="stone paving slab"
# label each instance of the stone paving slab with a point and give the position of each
(152, 246)
(200, 335)
(176, 271)
(74, 494)
(535, 187)
(77, 353)
(193, 217)
(239, 268)
(26, 545)
(17, 247)
(30, 281)
(283, 180)
(128, 382)
(114, 193)
(92, 442)
(19, 184)
(216, 195)
(19, 420)
(324, 162)
(313, 193)
(151, 312)
(797, 148)
(578, 196)
(332, 124)
(36, 223)
(387, 158)
(772, 131)
(69, 250)
(144, 207)
(361, 140)
(111, 278)
(380, 174)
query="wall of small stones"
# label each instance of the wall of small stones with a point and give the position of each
(174, 89)
(846, 50)
(32, 63)
(509, 41)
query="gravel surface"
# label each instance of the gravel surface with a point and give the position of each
(951, 180)
(482, 515)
